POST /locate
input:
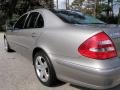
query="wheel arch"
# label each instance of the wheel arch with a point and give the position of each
(39, 49)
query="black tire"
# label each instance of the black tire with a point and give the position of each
(52, 77)
(6, 45)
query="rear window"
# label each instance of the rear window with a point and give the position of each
(75, 17)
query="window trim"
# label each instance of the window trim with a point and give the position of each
(28, 14)
(19, 19)
(38, 18)
(27, 22)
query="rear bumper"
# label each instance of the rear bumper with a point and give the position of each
(89, 77)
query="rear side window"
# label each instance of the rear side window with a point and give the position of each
(31, 21)
(40, 22)
(20, 22)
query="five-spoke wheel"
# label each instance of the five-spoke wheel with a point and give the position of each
(44, 69)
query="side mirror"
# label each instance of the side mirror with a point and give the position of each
(9, 26)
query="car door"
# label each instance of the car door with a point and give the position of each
(30, 33)
(13, 34)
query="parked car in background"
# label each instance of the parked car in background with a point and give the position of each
(69, 46)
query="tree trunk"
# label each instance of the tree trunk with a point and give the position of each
(12, 5)
(108, 9)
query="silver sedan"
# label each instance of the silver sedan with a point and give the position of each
(69, 46)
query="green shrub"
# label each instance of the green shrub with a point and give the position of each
(109, 20)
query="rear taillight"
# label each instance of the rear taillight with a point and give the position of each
(100, 47)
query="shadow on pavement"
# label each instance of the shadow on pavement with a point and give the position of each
(58, 83)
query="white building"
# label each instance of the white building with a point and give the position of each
(62, 3)
(116, 8)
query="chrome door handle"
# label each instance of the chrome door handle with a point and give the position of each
(34, 35)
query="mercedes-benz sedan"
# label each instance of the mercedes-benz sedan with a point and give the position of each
(69, 46)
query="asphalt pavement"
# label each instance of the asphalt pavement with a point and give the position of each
(17, 73)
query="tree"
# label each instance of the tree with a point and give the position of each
(10, 7)
(109, 8)
(77, 4)
(33, 4)
(89, 6)
(100, 6)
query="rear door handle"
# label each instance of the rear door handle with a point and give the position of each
(34, 35)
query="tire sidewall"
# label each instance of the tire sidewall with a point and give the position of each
(52, 76)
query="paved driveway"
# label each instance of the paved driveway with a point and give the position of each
(17, 73)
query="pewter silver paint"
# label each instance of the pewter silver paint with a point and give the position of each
(61, 41)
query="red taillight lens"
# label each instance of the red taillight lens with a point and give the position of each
(100, 46)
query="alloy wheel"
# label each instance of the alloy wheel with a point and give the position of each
(42, 69)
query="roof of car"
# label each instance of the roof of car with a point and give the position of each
(44, 9)
(48, 17)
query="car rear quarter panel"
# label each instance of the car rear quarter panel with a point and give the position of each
(62, 44)
(66, 40)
